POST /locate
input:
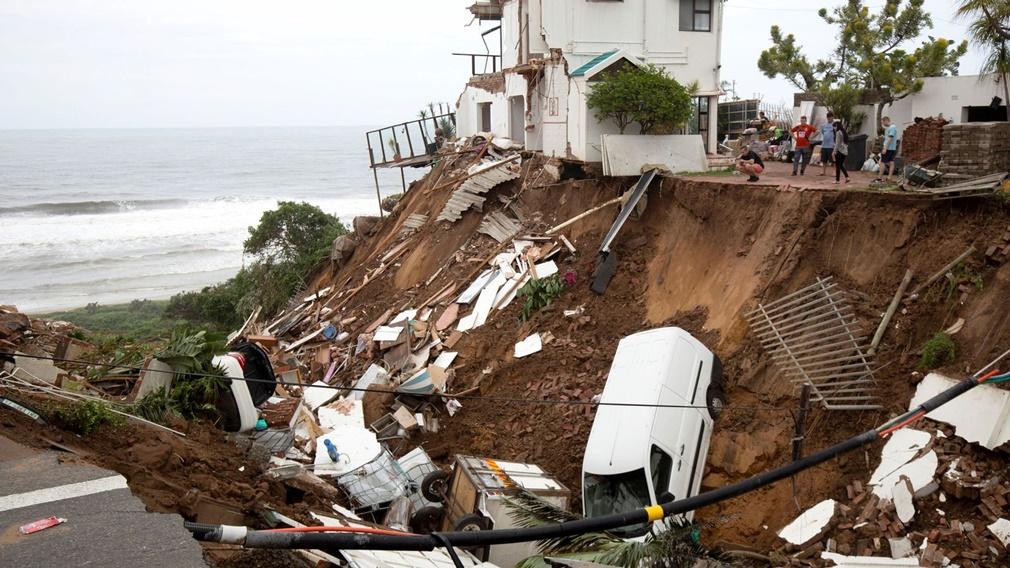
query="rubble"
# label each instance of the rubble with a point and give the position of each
(809, 525)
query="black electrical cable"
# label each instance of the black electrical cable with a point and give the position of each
(358, 541)
(498, 399)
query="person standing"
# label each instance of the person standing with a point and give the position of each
(841, 151)
(801, 145)
(890, 148)
(827, 142)
(750, 163)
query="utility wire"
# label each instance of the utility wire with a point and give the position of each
(496, 399)
(362, 541)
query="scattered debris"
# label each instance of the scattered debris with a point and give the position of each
(810, 524)
(528, 346)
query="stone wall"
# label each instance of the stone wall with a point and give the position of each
(975, 149)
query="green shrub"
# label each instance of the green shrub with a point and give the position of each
(938, 351)
(648, 96)
(87, 416)
(287, 244)
(538, 293)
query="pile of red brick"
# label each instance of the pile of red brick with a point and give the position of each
(923, 140)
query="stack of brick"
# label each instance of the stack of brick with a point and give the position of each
(975, 149)
(923, 140)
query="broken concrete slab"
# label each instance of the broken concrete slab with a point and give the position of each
(374, 375)
(898, 458)
(445, 359)
(318, 394)
(810, 525)
(345, 412)
(356, 447)
(900, 547)
(1001, 530)
(528, 346)
(35, 370)
(902, 495)
(978, 416)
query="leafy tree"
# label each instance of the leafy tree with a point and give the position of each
(990, 30)
(645, 95)
(871, 54)
(287, 245)
(842, 101)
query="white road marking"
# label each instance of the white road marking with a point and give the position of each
(61, 492)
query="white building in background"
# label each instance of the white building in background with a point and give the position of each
(553, 50)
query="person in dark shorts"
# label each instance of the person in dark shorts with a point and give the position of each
(801, 145)
(827, 131)
(890, 148)
(750, 163)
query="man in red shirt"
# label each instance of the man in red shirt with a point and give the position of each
(801, 144)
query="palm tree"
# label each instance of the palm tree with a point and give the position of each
(673, 548)
(990, 30)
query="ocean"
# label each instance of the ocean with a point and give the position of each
(109, 216)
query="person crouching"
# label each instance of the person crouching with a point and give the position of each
(750, 163)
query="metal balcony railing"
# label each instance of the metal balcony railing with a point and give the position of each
(407, 143)
(494, 60)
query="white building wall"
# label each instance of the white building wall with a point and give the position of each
(468, 110)
(510, 29)
(647, 29)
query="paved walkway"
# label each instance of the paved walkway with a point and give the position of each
(106, 525)
(779, 175)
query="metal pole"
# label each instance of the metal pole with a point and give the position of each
(801, 419)
(890, 311)
(403, 181)
(378, 196)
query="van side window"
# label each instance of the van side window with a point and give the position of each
(660, 466)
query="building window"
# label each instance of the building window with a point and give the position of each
(695, 15)
(485, 116)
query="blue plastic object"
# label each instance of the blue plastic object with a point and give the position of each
(261, 425)
(331, 450)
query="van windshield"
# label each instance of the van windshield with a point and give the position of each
(606, 494)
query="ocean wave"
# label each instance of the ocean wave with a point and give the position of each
(91, 207)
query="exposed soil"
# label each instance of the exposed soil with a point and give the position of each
(703, 254)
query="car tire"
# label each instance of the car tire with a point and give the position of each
(715, 400)
(426, 519)
(475, 522)
(434, 485)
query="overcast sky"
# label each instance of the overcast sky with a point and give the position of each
(195, 63)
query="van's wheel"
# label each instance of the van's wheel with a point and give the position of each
(425, 520)
(716, 401)
(434, 485)
(475, 522)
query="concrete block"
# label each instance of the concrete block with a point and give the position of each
(625, 154)
(979, 416)
(810, 525)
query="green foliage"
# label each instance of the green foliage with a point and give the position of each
(646, 95)
(87, 416)
(938, 351)
(140, 319)
(287, 244)
(870, 55)
(447, 127)
(989, 30)
(842, 101)
(197, 381)
(678, 546)
(538, 293)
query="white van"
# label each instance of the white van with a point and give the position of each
(639, 456)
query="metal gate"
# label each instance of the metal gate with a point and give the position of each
(813, 337)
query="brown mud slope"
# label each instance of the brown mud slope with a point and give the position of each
(701, 256)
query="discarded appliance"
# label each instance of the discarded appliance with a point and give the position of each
(644, 456)
(473, 496)
(374, 485)
(238, 404)
(606, 261)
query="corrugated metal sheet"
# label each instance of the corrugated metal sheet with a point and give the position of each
(471, 192)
